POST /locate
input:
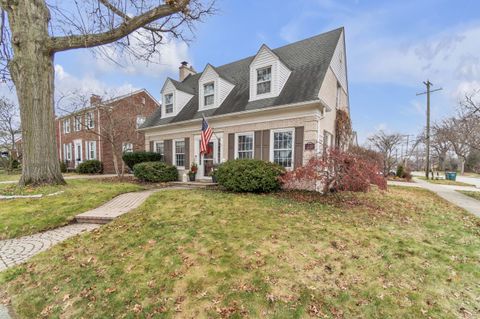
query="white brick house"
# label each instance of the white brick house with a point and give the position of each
(278, 105)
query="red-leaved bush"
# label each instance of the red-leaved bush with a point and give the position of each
(336, 171)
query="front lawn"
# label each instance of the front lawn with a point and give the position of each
(199, 254)
(20, 217)
(8, 177)
(475, 195)
(444, 181)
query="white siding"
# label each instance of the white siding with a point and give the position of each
(222, 87)
(338, 64)
(180, 98)
(280, 73)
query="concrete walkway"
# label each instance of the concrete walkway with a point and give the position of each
(450, 193)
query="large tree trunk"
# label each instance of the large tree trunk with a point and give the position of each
(33, 74)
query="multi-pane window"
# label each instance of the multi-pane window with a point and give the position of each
(66, 126)
(67, 152)
(169, 103)
(180, 153)
(245, 146)
(264, 80)
(283, 148)
(160, 149)
(91, 150)
(90, 121)
(208, 94)
(78, 123)
(127, 147)
(140, 121)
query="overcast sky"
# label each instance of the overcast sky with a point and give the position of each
(392, 46)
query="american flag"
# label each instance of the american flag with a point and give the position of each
(205, 137)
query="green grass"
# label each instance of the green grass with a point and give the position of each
(475, 195)
(8, 177)
(199, 254)
(20, 217)
(444, 181)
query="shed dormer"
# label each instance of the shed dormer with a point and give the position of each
(268, 75)
(212, 88)
(173, 99)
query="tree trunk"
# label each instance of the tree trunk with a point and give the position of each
(33, 75)
(462, 165)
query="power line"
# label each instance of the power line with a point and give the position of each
(428, 84)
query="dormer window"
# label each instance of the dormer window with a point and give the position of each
(264, 80)
(169, 103)
(209, 94)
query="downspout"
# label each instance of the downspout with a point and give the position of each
(99, 137)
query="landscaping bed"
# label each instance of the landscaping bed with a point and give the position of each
(403, 253)
(20, 217)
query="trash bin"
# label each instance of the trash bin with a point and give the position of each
(451, 176)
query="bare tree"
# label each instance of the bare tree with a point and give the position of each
(9, 128)
(456, 131)
(440, 144)
(115, 123)
(33, 31)
(386, 144)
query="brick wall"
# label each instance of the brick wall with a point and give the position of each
(117, 117)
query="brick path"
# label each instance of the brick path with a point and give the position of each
(18, 250)
(114, 208)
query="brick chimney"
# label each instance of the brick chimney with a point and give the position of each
(185, 70)
(95, 99)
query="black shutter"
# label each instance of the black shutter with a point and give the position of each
(231, 146)
(257, 151)
(167, 147)
(298, 156)
(187, 152)
(266, 145)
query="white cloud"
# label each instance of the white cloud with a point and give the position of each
(166, 59)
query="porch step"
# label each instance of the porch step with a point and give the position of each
(196, 184)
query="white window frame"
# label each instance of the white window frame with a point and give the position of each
(211, 94)
(90, 120)
(91, 146)
(126, 149)
(272, 139)
(77, 119)
(174, 147)
(66, 126)
(140, 120)
(172, 103)
(67, 152)
(237, 135)
(260, 82)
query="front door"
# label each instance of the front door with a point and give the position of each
(78, 152)
(207, 161)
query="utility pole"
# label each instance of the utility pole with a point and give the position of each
(428, 84)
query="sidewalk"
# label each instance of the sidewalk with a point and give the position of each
(449, 193)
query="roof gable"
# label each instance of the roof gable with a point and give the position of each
(308, 60)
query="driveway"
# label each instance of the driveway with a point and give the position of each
(464, 179)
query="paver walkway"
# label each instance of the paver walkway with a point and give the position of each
(114, 208)
(18, 250)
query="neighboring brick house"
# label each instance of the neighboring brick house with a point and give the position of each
(103, 128)
(279, 105)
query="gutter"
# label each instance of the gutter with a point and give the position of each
(324, 105)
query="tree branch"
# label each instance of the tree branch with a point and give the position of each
(63, 43)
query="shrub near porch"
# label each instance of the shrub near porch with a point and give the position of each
(195, 254)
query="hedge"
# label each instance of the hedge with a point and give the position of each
(155, 172)
(249, 175)
(90, 167)
(133, 158)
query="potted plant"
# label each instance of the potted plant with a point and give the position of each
(213, 173)
(193, 172)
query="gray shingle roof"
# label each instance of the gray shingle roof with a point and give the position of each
(308, 59)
